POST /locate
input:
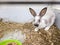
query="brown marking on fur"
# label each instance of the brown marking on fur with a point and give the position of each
(50, 19)
(46, 21)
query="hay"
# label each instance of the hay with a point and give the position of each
(42, 37)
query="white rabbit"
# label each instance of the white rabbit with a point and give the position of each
(45, 19)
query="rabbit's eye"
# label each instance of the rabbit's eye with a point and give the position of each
(33, 20)
(39, 20)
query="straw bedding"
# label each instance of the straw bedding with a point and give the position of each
(42, 37)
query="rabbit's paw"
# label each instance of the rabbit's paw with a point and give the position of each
(47, 28)
(36, 29)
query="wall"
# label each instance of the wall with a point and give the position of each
(19, 13)
(56, 6)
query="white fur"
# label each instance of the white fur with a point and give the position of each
(36, 19)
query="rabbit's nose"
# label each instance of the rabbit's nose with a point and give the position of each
(36, 25)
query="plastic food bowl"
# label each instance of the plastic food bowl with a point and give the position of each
(6, 42)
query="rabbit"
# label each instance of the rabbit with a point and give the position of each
(45, 19)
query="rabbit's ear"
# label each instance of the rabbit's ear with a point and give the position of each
(32, 12)
(43, 11)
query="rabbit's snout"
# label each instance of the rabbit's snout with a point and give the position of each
(36, 25)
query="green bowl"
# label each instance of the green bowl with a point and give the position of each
(5, 42)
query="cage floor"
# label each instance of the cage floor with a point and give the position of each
(42, 37)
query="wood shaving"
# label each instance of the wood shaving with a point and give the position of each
(42, 37)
